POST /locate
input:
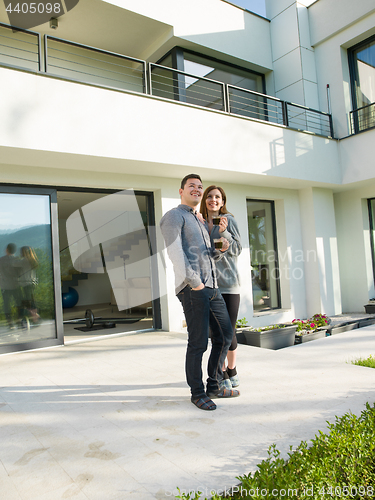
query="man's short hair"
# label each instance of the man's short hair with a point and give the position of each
(11, 248)
(187, 177)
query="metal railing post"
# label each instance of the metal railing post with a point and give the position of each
(45, 54)
(225, 104)
(40, 52)
(226, 98)
(144, 76)
(284, 106)
(331, 126)
(149, 78)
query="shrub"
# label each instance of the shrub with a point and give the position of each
(338, 464)
(368, 362)
(241, 323)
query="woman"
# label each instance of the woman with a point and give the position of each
(28, 280)
(213, 204)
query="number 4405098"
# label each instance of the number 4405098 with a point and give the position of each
(34, 8)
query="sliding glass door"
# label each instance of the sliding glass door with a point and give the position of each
(29, 317)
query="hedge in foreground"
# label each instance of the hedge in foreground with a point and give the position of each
(337, 465)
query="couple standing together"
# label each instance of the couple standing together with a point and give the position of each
(207, 286)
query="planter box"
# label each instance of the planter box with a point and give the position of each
(366, 322)
(271, 339)
(301, 339)
(370, 308)
(343, 327)
(240, 336)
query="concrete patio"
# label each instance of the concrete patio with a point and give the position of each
(111, 419)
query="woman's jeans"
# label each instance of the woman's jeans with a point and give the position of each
(203, 309)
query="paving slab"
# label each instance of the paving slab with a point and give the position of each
(112, 418)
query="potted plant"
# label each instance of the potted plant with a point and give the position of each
(241, 325)
(370, 306)
(311, 329)
(271, 337)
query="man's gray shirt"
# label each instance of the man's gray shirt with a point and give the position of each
(9, 272)
(189, 248)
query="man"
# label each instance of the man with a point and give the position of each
(189, 248)
(9, 284)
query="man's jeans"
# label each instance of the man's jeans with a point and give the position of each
(203, 309)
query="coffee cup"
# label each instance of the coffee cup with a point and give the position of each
(218, 243)
(216, 220)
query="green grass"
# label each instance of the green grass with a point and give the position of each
(337, 464)
(369, 362)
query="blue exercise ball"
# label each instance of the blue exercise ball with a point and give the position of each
(70, 298)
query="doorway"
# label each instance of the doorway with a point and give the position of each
(104, 244)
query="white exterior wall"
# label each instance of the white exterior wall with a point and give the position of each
(92, 122)
(214, 26)
(357, 158)
(332, 56)
(356, 271)
(59, 133)
(292, 54)
(322, 279)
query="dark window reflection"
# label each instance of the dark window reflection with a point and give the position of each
(263, 254)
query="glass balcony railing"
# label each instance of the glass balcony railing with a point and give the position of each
(81, 63)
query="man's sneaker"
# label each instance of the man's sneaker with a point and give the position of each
(235, 381)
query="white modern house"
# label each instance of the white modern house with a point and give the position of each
(118, 97)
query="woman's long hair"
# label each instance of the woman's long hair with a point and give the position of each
(203, 207)
(29, 254)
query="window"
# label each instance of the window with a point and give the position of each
(206, 92)
(362, 75)
(263, 254)
(222, 72)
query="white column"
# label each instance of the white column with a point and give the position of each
(293, 56)
(322, 278)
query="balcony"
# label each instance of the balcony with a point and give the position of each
(362, 119)
(68, 60)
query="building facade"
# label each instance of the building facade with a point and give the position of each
(124, 97)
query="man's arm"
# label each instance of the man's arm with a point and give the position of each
(171, 227)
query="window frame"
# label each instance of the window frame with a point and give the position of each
(59, 330)
(354, 77)
(275, 250)
(372, 229)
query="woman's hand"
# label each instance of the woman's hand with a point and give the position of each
(225, 244)
(200, 217)
(223, 224)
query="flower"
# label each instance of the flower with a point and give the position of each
(311, 324)
(321, 319)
